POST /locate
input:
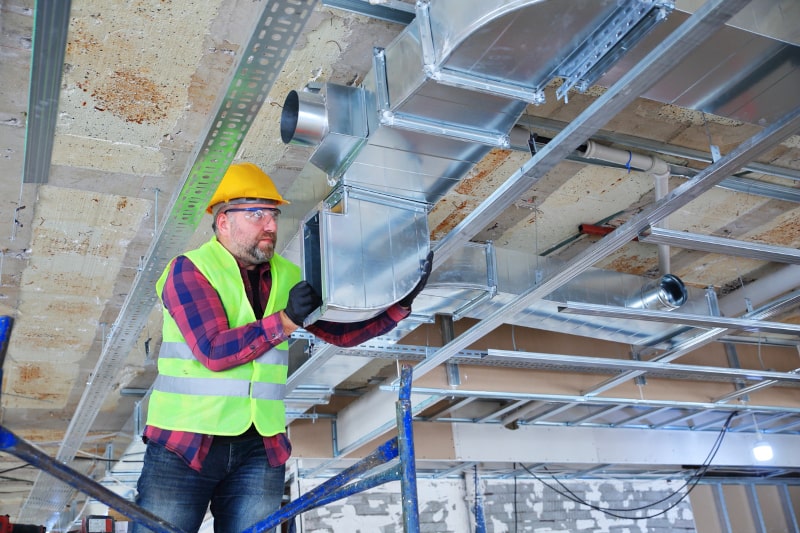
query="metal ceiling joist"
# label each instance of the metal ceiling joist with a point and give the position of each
(720, 245)
(259, 65)
(613, 365)
(531, 123)
(677, 45)
(676, 317)
(750, 186)
(745, 390)
(702, 339)
(500, 412)
(50, 27)
(646, 413)
(582, 400)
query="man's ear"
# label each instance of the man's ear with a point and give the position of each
(222, 224)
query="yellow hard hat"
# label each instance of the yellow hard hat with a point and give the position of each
(245, 180)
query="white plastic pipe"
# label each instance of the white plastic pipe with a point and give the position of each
(658, 168)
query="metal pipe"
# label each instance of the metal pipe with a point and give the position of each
(667, 292)
(594, 229)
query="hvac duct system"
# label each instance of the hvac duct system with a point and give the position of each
(447, 90)
(479, 279)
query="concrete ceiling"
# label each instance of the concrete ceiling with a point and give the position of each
(142, 94)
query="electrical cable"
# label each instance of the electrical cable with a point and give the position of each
(7, 470)
(516, 513)
(691, 482)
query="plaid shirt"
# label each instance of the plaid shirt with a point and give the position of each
(197, 310)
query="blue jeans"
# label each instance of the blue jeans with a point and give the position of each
(236, 479)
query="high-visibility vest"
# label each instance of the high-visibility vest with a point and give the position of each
(189, 397)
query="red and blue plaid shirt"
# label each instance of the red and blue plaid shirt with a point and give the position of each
(197, 310)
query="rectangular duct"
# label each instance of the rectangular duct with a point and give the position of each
(348, 258)
(444, 93)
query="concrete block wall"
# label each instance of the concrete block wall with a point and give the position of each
(448, 505)
(528, 505)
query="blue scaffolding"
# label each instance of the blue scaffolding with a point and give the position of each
(352, 480)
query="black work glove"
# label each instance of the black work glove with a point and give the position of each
(303, 299)
(426, 271)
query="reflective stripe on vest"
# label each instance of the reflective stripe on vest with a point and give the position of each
(219, 387)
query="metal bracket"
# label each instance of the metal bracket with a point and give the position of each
(444, 129)
(454, 78)
(631, 21)
(381, 83)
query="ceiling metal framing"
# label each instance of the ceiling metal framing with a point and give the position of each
(51, 23)
(698, 321)
(721, 245)
(692, 344)
(699, 25)
(603, 408)
(576, 133)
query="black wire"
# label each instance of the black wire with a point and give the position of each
(691, 482)
(700, 472)
(7, 470)
(516, 511)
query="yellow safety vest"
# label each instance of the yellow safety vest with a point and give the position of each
(189, 397)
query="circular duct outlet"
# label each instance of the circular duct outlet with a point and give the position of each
(304, 119)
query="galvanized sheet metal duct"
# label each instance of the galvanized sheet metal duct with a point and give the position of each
(445, 92)
(479, 279)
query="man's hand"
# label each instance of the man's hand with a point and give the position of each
(303, 299)
(426, 271)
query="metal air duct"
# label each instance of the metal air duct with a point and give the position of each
(479, 279)
(438, 99)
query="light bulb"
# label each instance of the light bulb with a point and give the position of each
(762, 451)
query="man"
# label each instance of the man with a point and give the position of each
(216, 429)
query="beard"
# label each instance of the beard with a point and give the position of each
(261, 255)
(255, 252)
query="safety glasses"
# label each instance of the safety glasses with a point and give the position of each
(257, 215)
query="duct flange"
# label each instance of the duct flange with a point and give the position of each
(363, 251)
(465, 280)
